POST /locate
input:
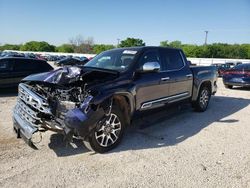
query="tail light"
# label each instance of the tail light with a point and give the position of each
(243, 73)
(247, 74)
(227, 72)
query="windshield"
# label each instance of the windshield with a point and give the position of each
(118, 60)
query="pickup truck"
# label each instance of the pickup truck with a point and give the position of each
(97, 101)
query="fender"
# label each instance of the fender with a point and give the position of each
(196, 88)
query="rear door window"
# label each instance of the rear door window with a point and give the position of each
(43, 65)
(5, 65)
(25, 65)
(172, 60)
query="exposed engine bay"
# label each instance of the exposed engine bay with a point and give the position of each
(62, 102)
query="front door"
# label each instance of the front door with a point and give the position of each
(151, 87)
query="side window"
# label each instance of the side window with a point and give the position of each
(150, 56)
(172, 60)
(4, 65)
(44, 66)
(25, 65)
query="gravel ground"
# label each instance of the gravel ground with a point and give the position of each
(172, 148)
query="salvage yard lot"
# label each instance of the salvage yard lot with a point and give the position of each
(172, 148)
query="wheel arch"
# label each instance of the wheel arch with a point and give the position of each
(202, 84)
(125, 103)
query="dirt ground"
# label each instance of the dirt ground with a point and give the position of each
(173, 148)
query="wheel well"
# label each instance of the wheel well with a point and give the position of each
(123, 103)
(207, 84)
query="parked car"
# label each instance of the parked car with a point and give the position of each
(237, 76)
(97, 101)
(14, 69)
(222, 68)
(72, 61)
(233, 63)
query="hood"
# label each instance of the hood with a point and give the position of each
(67, 75)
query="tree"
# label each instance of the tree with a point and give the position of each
(98, 48)
(246, 47)
(175, 44)
(38, 46)
(164, 43)
(82, 46)
(10, 47)
(130, 42)
(66, 48)
(190, 50)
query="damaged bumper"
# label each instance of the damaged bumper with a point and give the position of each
(81, 123)
(32, 115)
(23, 128)
(76, 123)
(23, 122)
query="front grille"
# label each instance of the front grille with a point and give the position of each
(26, 113)
(30, 106)
(35, 101)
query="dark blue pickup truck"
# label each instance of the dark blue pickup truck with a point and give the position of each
(97, 101)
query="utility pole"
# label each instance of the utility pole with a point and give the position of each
(206, 38)
(118, 42)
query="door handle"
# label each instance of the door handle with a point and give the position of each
(165, 79)
(189, 75)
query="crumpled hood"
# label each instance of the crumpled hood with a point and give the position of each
(68, 75)
(59, 76)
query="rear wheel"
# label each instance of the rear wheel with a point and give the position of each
(203, 99)
(108, 134)
(228, 86)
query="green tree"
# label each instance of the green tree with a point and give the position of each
(66, 48)
(98, 48)
(191, 50)
(10, 47)
(164, 43)
(130, 42)
(246, 47)
(38, 46)
(175, 44)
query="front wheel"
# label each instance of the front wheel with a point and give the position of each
(108, 134)
(202, 101)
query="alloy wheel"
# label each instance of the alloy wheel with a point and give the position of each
(108, 133)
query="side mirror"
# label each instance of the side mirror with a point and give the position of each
(151, 67)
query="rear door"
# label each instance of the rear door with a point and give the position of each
(6, 66)
(180, 77)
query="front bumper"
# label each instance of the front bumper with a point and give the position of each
(241, 84)
(76, 123)
(23, 128)
(32, 115)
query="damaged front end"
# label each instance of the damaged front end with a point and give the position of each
(60, 101)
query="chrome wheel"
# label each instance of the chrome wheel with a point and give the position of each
(204, 98)
(109, 131)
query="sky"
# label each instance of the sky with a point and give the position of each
(56, 21)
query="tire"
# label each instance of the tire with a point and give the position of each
(201, 104)
(106, 136)
(229, 86)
